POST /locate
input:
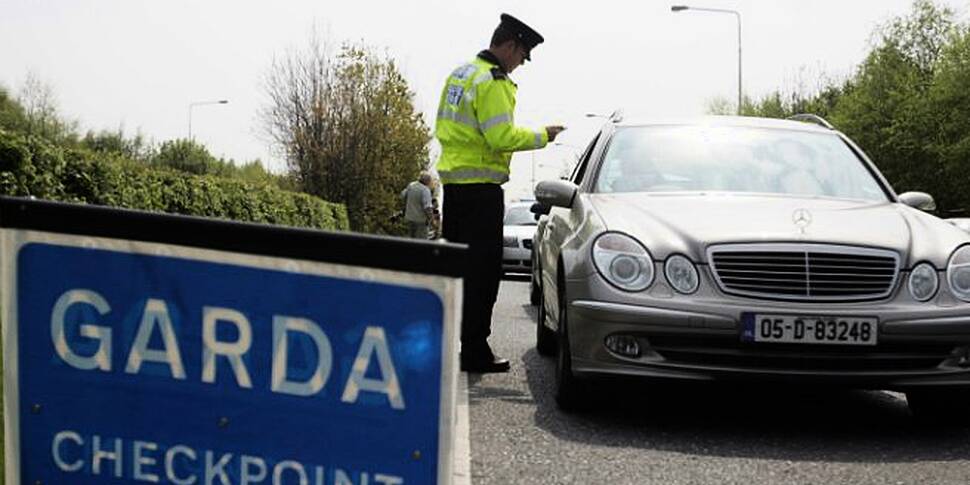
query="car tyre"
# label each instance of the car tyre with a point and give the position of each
(545, 337)
(570, 390)
(535, 292)
(940, 406)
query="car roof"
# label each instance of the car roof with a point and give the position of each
(739, 121)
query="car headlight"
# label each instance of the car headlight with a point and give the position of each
(510, 241)
(681, 274)
(923, 282)
(623, 261)
(958, 273)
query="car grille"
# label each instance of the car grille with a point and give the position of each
(804, 272)
(527, 243)
(770, 356)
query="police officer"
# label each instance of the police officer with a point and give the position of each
(476, 129)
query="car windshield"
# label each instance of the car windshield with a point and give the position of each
(734, 159)
(519, 215)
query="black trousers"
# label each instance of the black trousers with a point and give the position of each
(473, 215)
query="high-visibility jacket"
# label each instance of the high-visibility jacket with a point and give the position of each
(476, 127)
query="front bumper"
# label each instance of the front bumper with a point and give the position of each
(518, 259)
(698, 337)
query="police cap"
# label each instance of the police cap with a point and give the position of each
(527, 36)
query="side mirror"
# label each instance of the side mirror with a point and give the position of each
(556, 193)
(918, 200)
(539, 209)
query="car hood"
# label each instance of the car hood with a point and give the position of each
(672, 223)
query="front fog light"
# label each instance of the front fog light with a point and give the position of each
(624, 345)
(923, 282)
(681, 274)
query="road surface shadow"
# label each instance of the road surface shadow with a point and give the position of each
(745, 421)
(479, 393)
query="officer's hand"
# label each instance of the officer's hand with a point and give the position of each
(554, 131)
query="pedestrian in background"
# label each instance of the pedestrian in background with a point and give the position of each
(418, 209)
(477, 132)
(435, 219)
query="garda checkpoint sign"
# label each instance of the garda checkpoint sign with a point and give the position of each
(146, 348)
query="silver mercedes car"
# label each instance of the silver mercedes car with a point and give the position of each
(731, 248)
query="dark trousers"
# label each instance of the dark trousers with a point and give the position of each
(473, 215)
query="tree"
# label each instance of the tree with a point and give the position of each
(190, 157)
(12, 116)
(255, 173)
(720, 106)
(41, 116)
(810, 91)
(887, 110)
(949, 103)
(134, 148)
(922, 35)
(348, 129)
(906, 105)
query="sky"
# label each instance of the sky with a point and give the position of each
(138, 64)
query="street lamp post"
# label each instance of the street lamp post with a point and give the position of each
(615, 116)
(737, 15)
(201, 103)
(533, 184)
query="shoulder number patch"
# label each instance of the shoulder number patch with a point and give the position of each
(454, 94)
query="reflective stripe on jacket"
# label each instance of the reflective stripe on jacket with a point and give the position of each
(476, 127)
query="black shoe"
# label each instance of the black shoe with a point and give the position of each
(493, 364)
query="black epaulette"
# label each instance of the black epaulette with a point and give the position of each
(499, 74)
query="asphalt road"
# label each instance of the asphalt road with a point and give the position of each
(639, 434)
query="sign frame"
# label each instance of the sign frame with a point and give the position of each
(435, 266)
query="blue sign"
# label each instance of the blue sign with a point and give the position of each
(135, 367)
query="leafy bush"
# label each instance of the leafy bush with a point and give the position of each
(30, 166)
(189, 156)
(134, 148)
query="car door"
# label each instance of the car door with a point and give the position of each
(561, 225)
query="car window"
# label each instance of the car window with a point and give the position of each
(519, 215)
(734, 159)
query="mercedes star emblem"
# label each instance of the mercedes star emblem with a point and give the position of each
(802, 218)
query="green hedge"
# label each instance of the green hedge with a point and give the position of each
(33, 167)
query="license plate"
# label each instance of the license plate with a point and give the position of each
(802, 329)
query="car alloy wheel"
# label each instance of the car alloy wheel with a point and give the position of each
(535, 291)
